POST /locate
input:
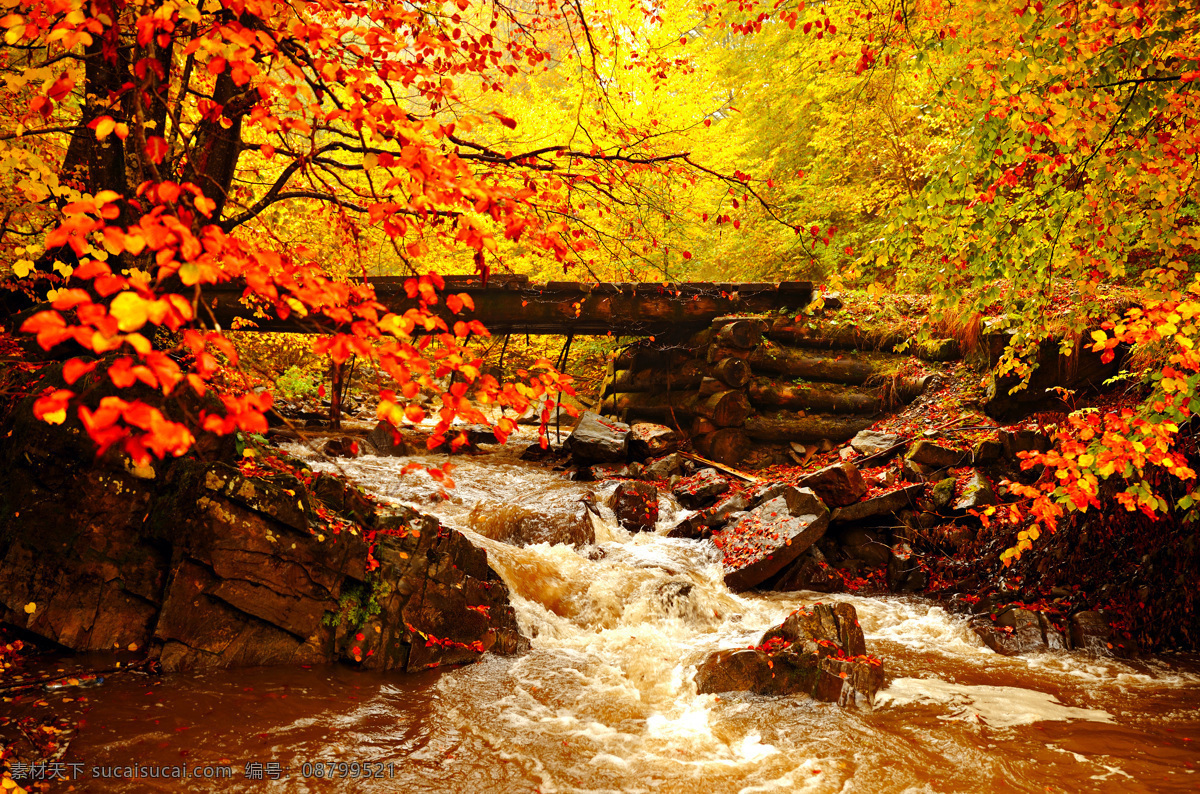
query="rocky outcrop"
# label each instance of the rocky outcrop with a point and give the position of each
(204, 566)
(818, 651)
(768, 538)
(599, 440)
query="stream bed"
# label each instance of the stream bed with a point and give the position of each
(604, 702)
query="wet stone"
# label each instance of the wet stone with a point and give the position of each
(635, 504)
(1089, 631)
(818, 651)
(928, 453)
(768, 538)
(701, 489)
(872, 442)
(648, 440)
(344, 447)
(599, 440)
(388, 441)
(838, 485)
(663, 468)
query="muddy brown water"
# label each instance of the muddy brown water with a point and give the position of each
(605, 703)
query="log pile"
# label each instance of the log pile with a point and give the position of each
(747, 382)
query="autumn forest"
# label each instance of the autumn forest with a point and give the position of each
(480, 342)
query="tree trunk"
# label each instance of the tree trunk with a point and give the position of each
(687, 375)
(832, 399)
(724, 409)
(788, 426)
(769, 357)
(728, 445)
(742, 334)
(734, 372)
(789, 332)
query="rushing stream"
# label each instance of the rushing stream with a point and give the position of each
(605, 702)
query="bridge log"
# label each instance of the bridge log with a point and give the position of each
(514, 305)
(829, 398)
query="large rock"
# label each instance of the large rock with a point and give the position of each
(976, 493)
(928, 453)
(769, 537)
(526, 525)
(663, 468)
(636, 505)
(648, 440)
(818, 651)
(701, 489)
(599, 440)
(206, 567)
(701, 524)
(1089, 631)
(872, 442)
(1018, 631)
(387, 440)
(838, 485)
(341, 447)
(890, 502)
(810, 571)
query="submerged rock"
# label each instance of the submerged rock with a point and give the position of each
(818, 651)
(635, 505)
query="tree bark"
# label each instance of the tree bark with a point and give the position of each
(742, 334)
(723, 409)
(687, 375)
(734, 372)
(788, 426)
(769, 357)
(728, 445)
(769, 393)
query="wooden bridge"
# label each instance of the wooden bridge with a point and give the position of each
(513, 304)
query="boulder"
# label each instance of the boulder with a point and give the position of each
(765, 540)
(890, 502)
(818, 651)
(203, 567)
(873, 442)
(838, 485)
(986, 452)
(527, 525)
(942, 492)
(475, 434)
(1089, 631)
(343, 447)
(865, 545)
(904, 573)
(976, 493)
(810, 571)
(648, 440)
(635, 504)
(915, 472)
(928, 453)
(388, 441)
(1017, 631)
(663, 468)
(701, 524)
(599, 440)
(701, 489)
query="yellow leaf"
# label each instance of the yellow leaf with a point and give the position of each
(130, 310)
(55, 418)
(30, 608)
(104, 127)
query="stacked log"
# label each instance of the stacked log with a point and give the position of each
(747, 381)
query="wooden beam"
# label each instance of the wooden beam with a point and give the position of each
(515, 305)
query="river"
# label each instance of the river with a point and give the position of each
(604, 702)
